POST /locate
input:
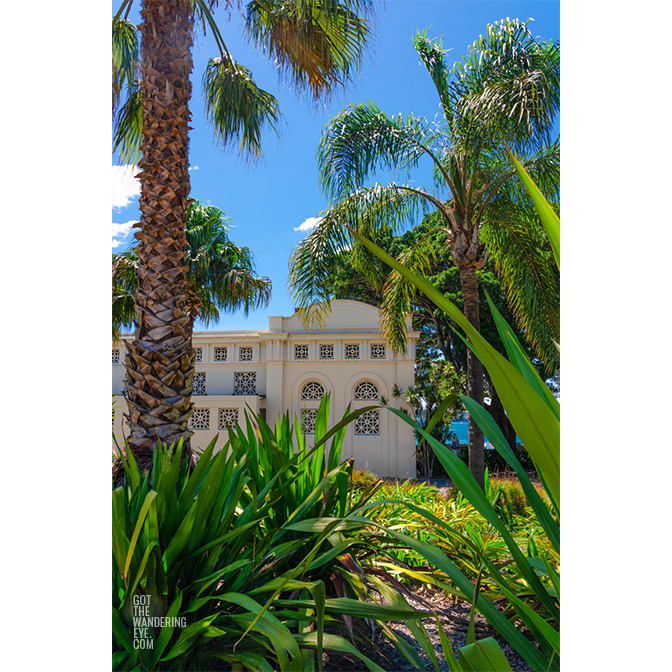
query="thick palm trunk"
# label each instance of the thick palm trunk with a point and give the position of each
(474, 372)
(159, 360)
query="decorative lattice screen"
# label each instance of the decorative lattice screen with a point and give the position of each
(366, 390)
(221, 354)
(116, 359)
(198, 354)
(368, 423)
(245, 354)
(312, 390)
(377, 351)
(309, 418)
(326, 351)
(200, 419)
(245, 383)
(300, 352)
(199, 383)
(228, 417)
(352, 351)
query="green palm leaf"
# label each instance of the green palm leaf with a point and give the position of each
(548, 217)
(316, 44)
(236, 107)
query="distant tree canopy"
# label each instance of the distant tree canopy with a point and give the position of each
(438, 341)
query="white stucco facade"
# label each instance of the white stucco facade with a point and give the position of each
(288, 367)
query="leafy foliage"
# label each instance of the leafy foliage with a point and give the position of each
(433, 402)
(229, 551)
(317, 44)
(535, 415)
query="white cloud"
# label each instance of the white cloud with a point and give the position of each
(194, 168)
(120, 233)
(309, 224)
(125, 186)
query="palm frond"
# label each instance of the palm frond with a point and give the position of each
(495, 173)
(236, 107)
(374, 212)
(124, 286)
(220, 273)
(432, 55)
(398, 293)
(125, 58)
(361, 139)
(237, 289)
(510, 82)
(524, 263)
(128, 126)
(316, 44)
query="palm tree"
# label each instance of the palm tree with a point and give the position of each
(506, 90)
(318, 44)
(220, 275)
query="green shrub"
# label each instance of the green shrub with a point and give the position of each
(227, 554)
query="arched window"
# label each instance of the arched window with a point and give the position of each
(312, 391)
(367, 390)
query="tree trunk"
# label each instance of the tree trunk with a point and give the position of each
(160, 361)
(474, 372)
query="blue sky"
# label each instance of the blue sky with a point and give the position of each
(270, 200)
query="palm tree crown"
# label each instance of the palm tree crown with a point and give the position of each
(506, 90)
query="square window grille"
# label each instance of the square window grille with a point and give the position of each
(300, 352)
(198, 354)
(245, 383)
(221, 354)
(200, 419)
(326, 351)
(377, 351)
(308, 423)
(368, 423)
(228, 417)
(245, 354)
(116, 358)
(352, 351)
(199, 383)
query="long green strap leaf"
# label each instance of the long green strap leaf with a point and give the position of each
(548, 218)
(338, 644)
(491, 429)
(529, 653)
(151, 496)
(519, 359)
(461, 476)
(485, 656)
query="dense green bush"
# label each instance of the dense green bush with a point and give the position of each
(228, 563)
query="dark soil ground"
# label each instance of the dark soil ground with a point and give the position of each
(454, 618)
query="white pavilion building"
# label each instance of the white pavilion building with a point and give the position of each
(288, 367)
